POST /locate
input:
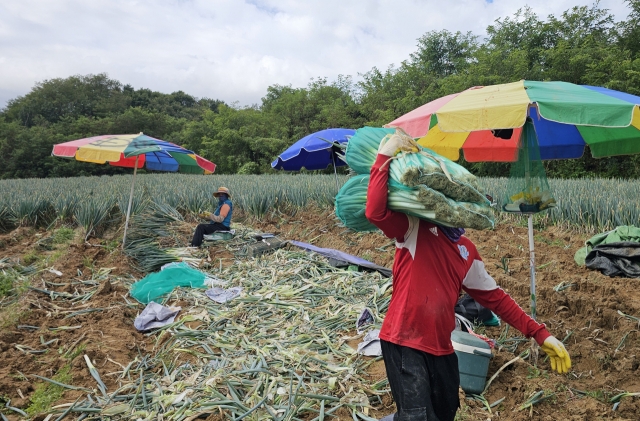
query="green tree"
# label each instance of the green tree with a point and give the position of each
(52, 100)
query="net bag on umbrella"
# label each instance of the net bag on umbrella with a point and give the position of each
(528, 189)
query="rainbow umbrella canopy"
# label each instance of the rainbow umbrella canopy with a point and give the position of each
(486, 122)
(134, 151)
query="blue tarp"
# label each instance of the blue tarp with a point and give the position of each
(312, 152)
(344, 257)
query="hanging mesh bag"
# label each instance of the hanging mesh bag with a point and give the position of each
(528, 189)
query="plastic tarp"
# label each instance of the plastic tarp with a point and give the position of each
(616, 259)
(155, 315)
(156, 285)
(343, 257)
(370, 345)
(221, 295)
(619, 234)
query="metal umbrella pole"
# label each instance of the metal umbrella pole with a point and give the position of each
(534, 350)
(126, 222)
(335, 173)
(532, 268)
(532, 258)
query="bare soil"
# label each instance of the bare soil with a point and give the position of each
(604, 345)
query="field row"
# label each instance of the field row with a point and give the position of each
(588, 205)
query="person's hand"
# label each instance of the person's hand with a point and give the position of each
(205, 215)
(389, 146)
(557, 353)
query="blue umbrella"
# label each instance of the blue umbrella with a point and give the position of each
(313, 152)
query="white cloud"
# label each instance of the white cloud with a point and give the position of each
(229, 49)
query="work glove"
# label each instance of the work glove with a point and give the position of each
(389, 146)
(557, 353)
(205, 215)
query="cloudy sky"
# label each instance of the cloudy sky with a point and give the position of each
(229, 49)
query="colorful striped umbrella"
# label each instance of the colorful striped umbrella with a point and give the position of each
(134, 151)
(125, 150)
(566, 117)
(487, 123)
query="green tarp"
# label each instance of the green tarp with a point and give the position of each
(621, 233)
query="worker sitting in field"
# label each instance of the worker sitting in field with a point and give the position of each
(220, 218)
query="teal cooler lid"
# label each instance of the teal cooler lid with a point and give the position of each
(464, 338)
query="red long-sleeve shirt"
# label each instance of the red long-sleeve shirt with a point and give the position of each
(428, 272)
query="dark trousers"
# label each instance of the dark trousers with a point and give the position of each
(207, 229)
(424, 386)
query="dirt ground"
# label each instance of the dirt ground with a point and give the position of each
(604, 345)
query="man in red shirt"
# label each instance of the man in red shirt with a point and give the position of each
(431, 265)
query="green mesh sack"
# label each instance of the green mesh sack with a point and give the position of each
(419, 201)
(412, 169)
(351, 201)
(528, 189)
(447, 211)
(362, 148)
(156, 285)
(439, 173)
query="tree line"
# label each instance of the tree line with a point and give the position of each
(584, 45)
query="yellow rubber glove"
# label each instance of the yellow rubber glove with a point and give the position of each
(557, 353)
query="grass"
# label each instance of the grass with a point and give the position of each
(11, 315)
(111, 245)
(7, 283)
(46, 394)
(56, 255)
(12, 283)
(31, 257)
(464, 412)
(87, 262)
(542, 239)
(63, 235)
(599, 394)
(535, 372)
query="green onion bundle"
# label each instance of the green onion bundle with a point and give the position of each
(350, 204)
(423, 184)
(425, 168)
(362, 148)
(352, 200)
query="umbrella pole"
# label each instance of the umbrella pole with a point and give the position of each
(532, 268)
(126, 222)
